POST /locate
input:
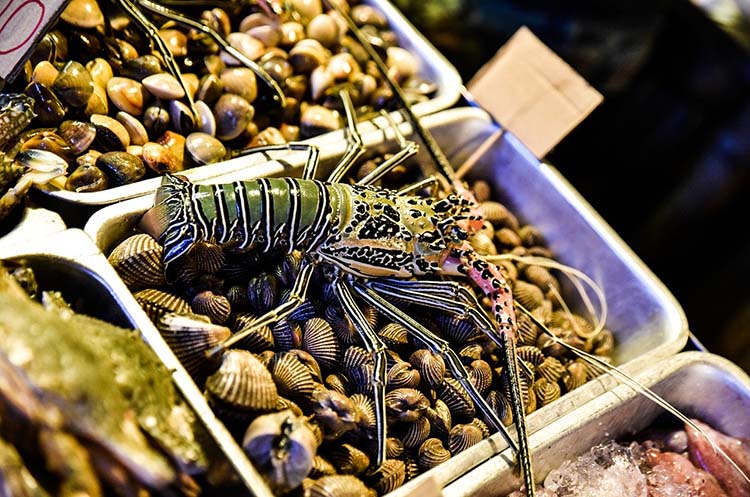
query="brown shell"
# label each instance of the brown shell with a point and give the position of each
(237, 296)
(431, 453)
(593, 370)
(310, 362)
(366, 409)
(342, 326)
(575, 376)
(457, 399)
(531, 236)
(263, 292)
(431, 366)
(527, 330)
(482, 243)
(348, 459)
(403, 375)
(551, 369)
(138, 261)
(412, 468)
(482, 427)
(292, 378)
(530, 354)
(405, 404)
(305, 311)
(415, 432)
(394, 335)
(480, 375)
(190, 337)
(507, 239)
(546, 391)
(286, 335)
(389, 477)
(339, 486)
(242, 382)
(500, 404)
(355, 357)
(337, 382)
(258, 341)
(529, 400)
(541, 277)
(215, 306)
(440, 418)
(457, 328)
(208, 257)
(321, 467)
(319, 340)
(471, 352)
(509, 270)
(394, 448)
(463, 436)
(335, 412)
(603, 343)
(528, 295)
(286, 271)
(157, 302)
(283, 403)
(482, 190)
(498, 214)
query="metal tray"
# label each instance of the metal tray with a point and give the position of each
(69, 262)
(700, 385)
(433, 66)
(647, 321)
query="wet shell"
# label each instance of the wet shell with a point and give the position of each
(284, 403)
(431, 366)
(337, 382)
(498, 215)
(361, 379)
(575, 376)
(242, 383)
(286, 335)
(405, 404)
(390, 476)
(262, 291)
(415, 432)
(482, 243)
(233, 114)
(551, 369)
(138, 261)
(431, 453)
(462, 437)
(214, 306)
(163, 85)
(412, 467)
(529, 399)
(127, 95)
(366, 408)
(73, 84)
(203, 148)
(304, 312)
(349, 459)
(83, 13)
(237, 296)
(394, 448)
(342, 325)
(110, 134)
(440, 418)
(137, 133)
(310, 363)
(80, 135)
(321, 467)
(339, 486)
(335, 412)
(528, 295)
(261, 339)
(190, 337)
(499, 403)
(530, 354)
(482, 427)
(159, 302)
(457, 328)
(394, 335)
(546, 391)
(527, 330)
(471, 352)
(603, 343)
(457, 399)
(541, 277)
(531, 236)
(319, 340)
(292, 378)
(403, 375)
(480, 374)
(355, 357)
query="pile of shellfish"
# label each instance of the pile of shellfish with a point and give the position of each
(312, 367)
(105, 102)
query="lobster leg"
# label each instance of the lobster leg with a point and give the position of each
(311, 163)
(355, 148)
(375, 346)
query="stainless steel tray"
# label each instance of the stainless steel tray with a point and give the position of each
(433, 66)
(700, 385)
(647, 321)
(68, 261)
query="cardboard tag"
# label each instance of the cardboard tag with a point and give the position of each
(22, 23)
(533, 93)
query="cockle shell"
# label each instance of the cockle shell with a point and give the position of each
(310, 363)
(355, 357)
(500, 404)
(550, 369)
(575, 376)
(242, 383)
(524, 383)
(208, 257)
(390, 476)
(603, 343)
(471, 352)
(480, 375)
(286, 335)
(431, 453)
(415, 432)
(403, 375)
(335, 412)
(301, 314)
(498, 214)
(431, 366)
(138, 261)
(457, 328)
(366, 408)
(342, 325)
(457, 399)
(545, 391)
(394, 448)
(283, 466)
(394, 335)
(292, 378)
(337, 382)
(531, 236)
(284, 403)
(463, 436)
(482, 427)
(527, 330)
(157, 302)
(507, 239)
(440, 418)
(405, 404)
(541, 277)
(348, 459)
(214, 306)
(319, 340)
(321, 467)
(412, 468)
(530, 354)
(262, 291)
(339, 486)
(528, 295)
(190, 337)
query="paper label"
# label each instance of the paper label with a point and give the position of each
(22, 23)
(533, 93)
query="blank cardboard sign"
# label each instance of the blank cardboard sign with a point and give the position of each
(533, 93)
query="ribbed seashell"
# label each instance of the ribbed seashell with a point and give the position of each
(214, 306)
(361, 379)
(457, 328)
(483, 244)
(500, 404)
(457, 399)
(405, 404)
(415, 432)
(292, 378)
(412, 468)
(482, 427)
(575, 376)
(190, 337)
(349, 459)
(530, 354)
(321, 467)
(551, 369)
(546, 391)
(366, 407)
(286, 335)
(592, 370)
(389, 477)
(440, 418)
(337, 382)
(431, 453)
(541, 277)
(157, 302)
(394, 448)
(570, 337)
(463, 436)
(471, 352)
(342, 325)
(543, 313)
(482, 191)
(403, 375)
(498, 214)
(237, 296)
(284, 403)
(480, 375)
(262, 291)
(301, 314)
(242, 383)
(355, 357)
(431, 366)
(335, 412)
(529, 400)
(549, 346)
(531, 236)
(260, 340)
(394, 335)
(527, 330)
(528, 295)
(319, 340)
(138, 261)
(208, 257)
(310, 363)
(339, 486)
(288, 269)
(266, 357)
(603, 343)
(507, 239)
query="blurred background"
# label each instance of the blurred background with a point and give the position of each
(666, 158)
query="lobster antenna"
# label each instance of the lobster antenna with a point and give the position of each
(632, 383)
(477, 154)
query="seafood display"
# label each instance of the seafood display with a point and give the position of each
(121, 90)
(680, 463)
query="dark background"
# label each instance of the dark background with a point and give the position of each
(666, 158)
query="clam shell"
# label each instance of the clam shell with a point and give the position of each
(403, 375)
(342, 325)
(528, 295)
(550, 369)
(415, 432)
(286, 335)
(527, 330)
(216, 307)
(110, 134)
(141, 67)
(480, 375)
(262, 339)
(463, 436)
(163, 85)
(440, 418)
(431, 453)
(240, 81)
(390, 476)
(83, 13)
(546, 391)
(243, 383)
(541, 277)
(366, 407)
(355, 357)
(431, 366)
(262, 291)
(292, 378)
(237, 296)
(499, 403)
(209, 151)
(498, 215)
(138, 261)
(127, 95)
(73, 84)
(482, 427)
(190, 337)
(157, 302)
(349, 459)
(319, 340)
(203, 148)
(339, 486)
(471, 352)
(530, 354)
(603, 343)
(284, 403)
(310, 363)
(575, 376)
(531, 236)
(457, 328)
(394, 448)
(321, 467)
(335, 412)
(137, 133)
(233, 114)
(457, 399)
(405, 404)
(394, 335)
(337, 382)
(79, 134)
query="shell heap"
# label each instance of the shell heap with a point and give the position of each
(312, 366)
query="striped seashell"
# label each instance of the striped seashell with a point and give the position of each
(431, 453)
(392, 358)
(457, 399)
(403, 375)
(482, 243)
(415, 432)
(575, 376)
(366, 409)
(138, 261)
(488, 229)
(527, 330)
(394, 448)
(157, 302)
(500, 404)
(411, 467)
(355, 357)
(242, 383)
(321, 467)
(471, 352)
(482, 190)
(342, 325)
(208, 257)
(541, 251)
(528, 295)
(463, 436)
(262, 339)
(551, 369)
(440, 418)
(572, 322)
(190, 337)
(531, 236)
(292, 378)
(498, 214)
(549, 346)
(339, 486)
(530, 354)
(306, 310)
(480, 375)
(405, 405)
(216, 307)
(286, 271)
(309, 361)
(184, 272)
(337, 382)
(317, 432)
(457, 328)
(286, 335)
(546, 391)
(237, 271)
(389, 476)
(570, 337)
(482, 427)
(237, 296)
(336, 413)
(348, 459)
(430, 365)
(319, 340)
(541, 277)
(361, 379)
(543, 313)
(266, 357)
(507, 239)
(282, 403)
(603, 343)
(262, 291)
(394, 336)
